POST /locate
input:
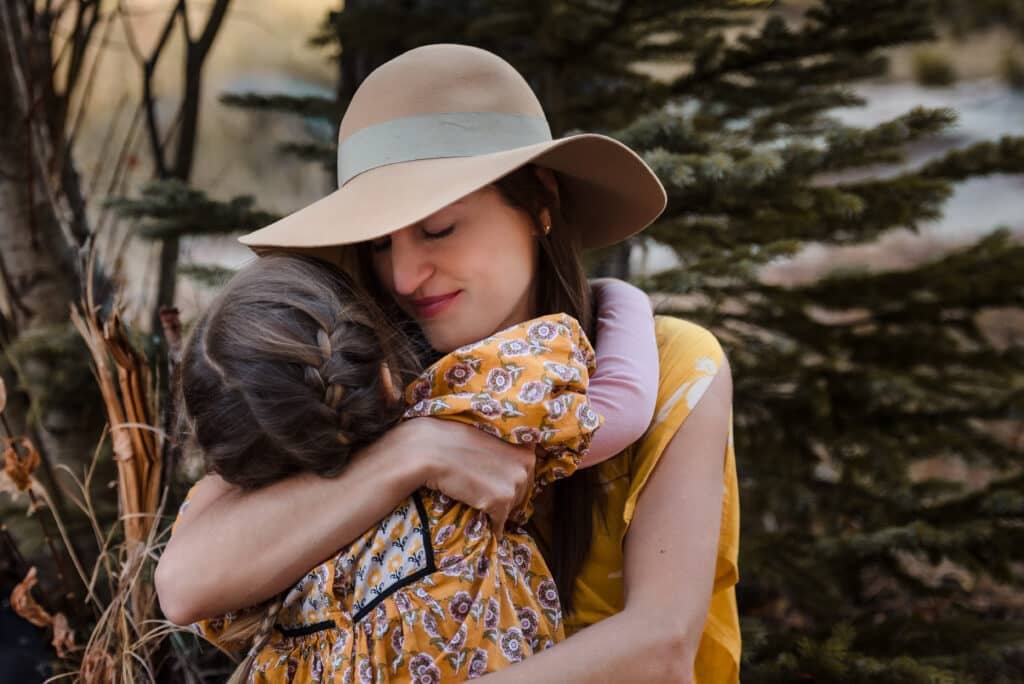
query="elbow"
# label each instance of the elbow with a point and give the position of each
(172, 596)
(677, 653)
(671, 651)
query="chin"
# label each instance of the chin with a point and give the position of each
(447, 338)
(443, 341)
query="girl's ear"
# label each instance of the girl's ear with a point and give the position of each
(392, 395)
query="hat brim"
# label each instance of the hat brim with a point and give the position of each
(614, 194)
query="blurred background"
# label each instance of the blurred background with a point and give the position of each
(846, 212)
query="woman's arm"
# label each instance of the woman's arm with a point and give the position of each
(670, 552)
(233, 549)
(624, 388)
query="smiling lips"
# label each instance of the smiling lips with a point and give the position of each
(428, 307)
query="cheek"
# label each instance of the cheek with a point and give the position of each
(511, 274)
(504, 274)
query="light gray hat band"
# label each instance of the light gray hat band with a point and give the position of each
(432, 136)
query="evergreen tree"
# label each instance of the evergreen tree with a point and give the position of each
(857, 562)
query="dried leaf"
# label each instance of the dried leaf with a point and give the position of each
(26, 606)
(20, 468)
(63, 637)
(97, 666)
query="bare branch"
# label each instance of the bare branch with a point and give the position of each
(83, 99)
(148, 69)
(80, 37)
(195, 57)
(216, 18)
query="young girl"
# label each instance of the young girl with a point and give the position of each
(293, 369)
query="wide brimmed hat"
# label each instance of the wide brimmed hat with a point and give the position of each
(441, 121)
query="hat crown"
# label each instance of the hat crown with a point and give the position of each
(439, 79)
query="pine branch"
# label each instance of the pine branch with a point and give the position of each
(171, 208)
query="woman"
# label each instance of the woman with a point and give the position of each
(463, 216)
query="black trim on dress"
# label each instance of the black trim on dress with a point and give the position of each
(306, 630)
(430, 568)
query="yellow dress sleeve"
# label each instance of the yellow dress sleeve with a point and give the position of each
(524, 385)
(690, 357)
(213, 629)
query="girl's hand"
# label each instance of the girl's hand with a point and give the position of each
(466, 464)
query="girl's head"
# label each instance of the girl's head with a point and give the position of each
(496, 257)
(290, 369)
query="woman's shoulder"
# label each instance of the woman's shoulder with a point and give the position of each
(690, 357)
(688, 353)
(678, 336)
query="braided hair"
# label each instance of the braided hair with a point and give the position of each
(291, 369)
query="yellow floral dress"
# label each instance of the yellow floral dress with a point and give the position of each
(429, 595)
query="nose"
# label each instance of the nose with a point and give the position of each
(410, 264)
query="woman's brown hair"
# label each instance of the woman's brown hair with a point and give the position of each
(560, 286)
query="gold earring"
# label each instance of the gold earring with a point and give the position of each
(547, 229)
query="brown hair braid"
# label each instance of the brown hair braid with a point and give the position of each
(256, 633)
(291, 368)
(282, 374)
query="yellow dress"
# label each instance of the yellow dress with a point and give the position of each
(429, 595)
(689, 357)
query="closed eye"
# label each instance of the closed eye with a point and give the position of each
(439, 234)
(384, 243)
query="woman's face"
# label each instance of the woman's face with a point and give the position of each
(463, 272)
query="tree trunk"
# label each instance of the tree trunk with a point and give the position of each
(38, 272)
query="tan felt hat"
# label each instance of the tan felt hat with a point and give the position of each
(441, 121)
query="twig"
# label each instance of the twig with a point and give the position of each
(148, 65)
(108, 138)
(83, 99)
(119, 172)
(67, 595)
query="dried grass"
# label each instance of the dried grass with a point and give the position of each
(119, 621)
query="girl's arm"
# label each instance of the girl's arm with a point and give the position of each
(233, 549)
(670, 552)
(624, 387)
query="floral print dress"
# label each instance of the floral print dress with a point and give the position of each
(429, 595)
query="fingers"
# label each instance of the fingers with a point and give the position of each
(498, 524)
(524, 477)
(492, 476)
